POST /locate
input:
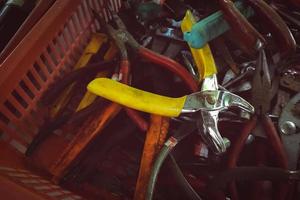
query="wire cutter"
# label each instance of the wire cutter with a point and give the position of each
(122, 37)
(263, 91)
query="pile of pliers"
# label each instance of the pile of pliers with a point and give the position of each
(263, 90)
(198, 111)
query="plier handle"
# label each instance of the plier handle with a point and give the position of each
(262, 93)
(248, 37)
(121, 36)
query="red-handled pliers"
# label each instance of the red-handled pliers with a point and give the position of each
(122, 37)
(262, 93)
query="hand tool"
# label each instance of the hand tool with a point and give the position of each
(203, 57)
(122, 37)
(91, 49)
(276, 25)
(286, 15)
(155, 138)
(262, 93)
(207, 70)
(169, 32)
(249, 38)
(289, 123)
(290, 78)
(189, 63)
(208, 100)
(183, 131)
(245, 73)
(212, 27)
(54, 91)
(242, 30)
(226, 54)
(208, 126)
(88, 97)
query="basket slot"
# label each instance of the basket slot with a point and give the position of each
(23, 94)
(20, 99)
(37, 77)
(13, 112)
(77, 24)
(16, 123)
(60, 47)
(72, 43)
(29, 127)
(3, 118)
(72, 28)
(44, 68)
(96, 6)
(48, 62)
(37, 71)
(16, 105)
(55, 52)
(31, 86)
(33, 80)
(85, 10)
(114, 5)
(66, 37)
(13, 138)
(26, 89)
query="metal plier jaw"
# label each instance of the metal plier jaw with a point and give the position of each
(211, 133)
(120, 35)
(263, 88)
(216, 101)
(209, 102)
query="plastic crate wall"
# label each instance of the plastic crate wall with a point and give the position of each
(48, 51)
(37, 184)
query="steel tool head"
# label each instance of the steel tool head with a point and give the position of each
(263, 90)
(215, 100)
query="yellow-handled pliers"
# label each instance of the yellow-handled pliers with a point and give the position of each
(209, 100)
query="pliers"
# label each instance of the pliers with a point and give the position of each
(263, 91)
(248, 37)
(122, 37)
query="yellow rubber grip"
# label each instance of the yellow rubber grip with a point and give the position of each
(135, 98)
(203, 57)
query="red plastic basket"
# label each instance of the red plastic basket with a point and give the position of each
(50, 49)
